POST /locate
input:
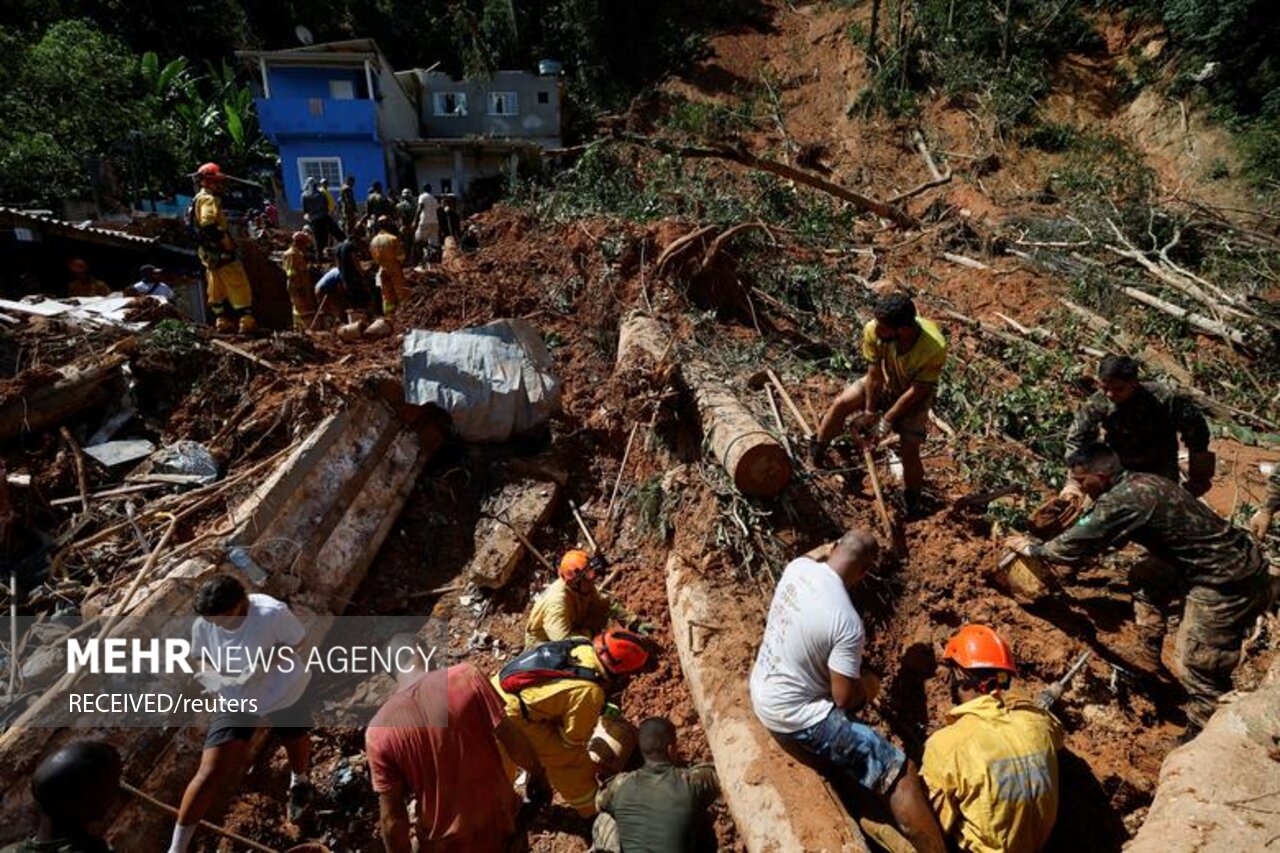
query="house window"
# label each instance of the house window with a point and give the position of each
(446, 185)
(544, 97)
(342, 90)
(320, 167)
(502, 104)
(450, 103)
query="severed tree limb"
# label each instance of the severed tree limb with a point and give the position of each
(1198, 321)
(916, 190)
(744, 158)
(675, 247)
(1143, 351)
(728, 234)
(918, 138)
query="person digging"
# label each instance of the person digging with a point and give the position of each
(571, 606)
(905, 355)
(1219, 567)
(992, 771)
(555, 694)
(229, 293)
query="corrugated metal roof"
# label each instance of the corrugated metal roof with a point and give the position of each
(74, 229)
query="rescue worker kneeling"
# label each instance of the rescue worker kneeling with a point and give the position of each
(992, 773)
(555, 693)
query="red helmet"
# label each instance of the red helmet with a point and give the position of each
(302, 238)
(573, 565)
(621, 651)
(979, 647)
(210, 170)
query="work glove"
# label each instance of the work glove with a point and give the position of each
(1259, 523)
(1020, 544)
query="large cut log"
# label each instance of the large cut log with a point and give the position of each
(776, 802)
(80, 388)
(314, 524)
(758, 465)
(1221, 791)
(516, 511)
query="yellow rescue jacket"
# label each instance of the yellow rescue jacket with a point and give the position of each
(560, 612)
(571, 706)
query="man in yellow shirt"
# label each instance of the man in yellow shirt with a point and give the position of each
(905, 355)
(992, 773)
(570, 607)
(388, 253)
(227, 281)
(555, 694)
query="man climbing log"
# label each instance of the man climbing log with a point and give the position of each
(1220, 567)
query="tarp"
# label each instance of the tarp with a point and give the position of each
(495, 381)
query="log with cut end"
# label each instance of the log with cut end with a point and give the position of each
(756, 462)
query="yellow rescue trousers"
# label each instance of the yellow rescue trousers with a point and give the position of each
(570, 770)
(229, 283)
(395, 290)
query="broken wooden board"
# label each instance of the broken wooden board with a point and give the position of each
(523, 504)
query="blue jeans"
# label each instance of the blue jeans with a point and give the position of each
(853, 749)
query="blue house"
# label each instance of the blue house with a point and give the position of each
(338, 109)
(334, 110)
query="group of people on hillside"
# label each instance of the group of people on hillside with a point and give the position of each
(421, 221)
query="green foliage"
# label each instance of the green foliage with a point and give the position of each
(974, 55)
(654, 509)
(709, 121)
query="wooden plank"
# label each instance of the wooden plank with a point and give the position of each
(244, 353)
(515, 511)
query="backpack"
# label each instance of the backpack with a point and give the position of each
(550, 661)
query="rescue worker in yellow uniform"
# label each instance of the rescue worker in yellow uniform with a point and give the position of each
(570, 607)
(297, 271)
(388, 253)
(555, 694)
(229, 293)
(83, 284)
(992, 772)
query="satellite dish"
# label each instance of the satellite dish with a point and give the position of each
(303, 34)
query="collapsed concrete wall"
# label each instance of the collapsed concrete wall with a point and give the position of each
(332, 501)
(1222, 790)
(776, 802)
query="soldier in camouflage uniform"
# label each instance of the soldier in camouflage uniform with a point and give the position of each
(74, 787)
(1262, 518)
(1141, 422)
(1219, 566)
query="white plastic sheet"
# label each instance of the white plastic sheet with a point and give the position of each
(495, 381)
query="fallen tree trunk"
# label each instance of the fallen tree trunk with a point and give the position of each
(1198, 321)
(314, 524)
(1220, 791)
(895, 215)
(777, 803)
(80, 388)
(758, 465)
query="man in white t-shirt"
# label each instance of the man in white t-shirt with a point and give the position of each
(426, 225)
(808, 679)
(245, 651)
(149, 284)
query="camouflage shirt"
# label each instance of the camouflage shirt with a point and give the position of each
(1158, 514)
(1144, 429)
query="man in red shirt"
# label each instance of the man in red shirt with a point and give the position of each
(437, 739)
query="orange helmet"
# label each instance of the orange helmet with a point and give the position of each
(301, 238)
(979, 647)
(621, 651)
(573, 565)
(210, 170)
(77, 265)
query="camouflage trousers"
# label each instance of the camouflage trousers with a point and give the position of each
(1215, 621)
